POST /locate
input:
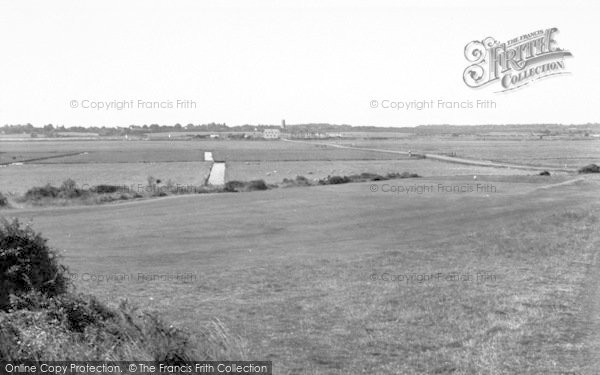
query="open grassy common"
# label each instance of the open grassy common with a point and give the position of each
(443, 274)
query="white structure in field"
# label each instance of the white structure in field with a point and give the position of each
(271, 134)
(217, 174)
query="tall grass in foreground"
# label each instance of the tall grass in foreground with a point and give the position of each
(42, 317)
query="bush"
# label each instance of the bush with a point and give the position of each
(592, 168)
(242, 186)
(298, 181)
(68, 185)
(233, 186)
(37, 193)
(334, 180)
(366, 177)
(41, 321)
(74, 311)
(69, 190)
(402, 175)
(301, 180)
(106, 189)
(544, 173)
(257, 185)
(3, 201)
(27, 263)
(39, 327)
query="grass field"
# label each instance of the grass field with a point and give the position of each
(276, 171)
(555, 153)
(376, 277)
(176, 151)
(305, 275)
(131, 162)
(551, 153)
(18, 179)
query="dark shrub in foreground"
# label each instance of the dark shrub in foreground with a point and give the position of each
(79, 326)
(592, 168)
(3, 201)
(27, 263)
(41, 321)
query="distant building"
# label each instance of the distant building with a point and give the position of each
(308, 135)
(271, 134)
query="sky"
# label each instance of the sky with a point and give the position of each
(261, 61)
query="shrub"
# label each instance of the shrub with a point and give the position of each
(39, 327)
(68, 185)
(69, 190)
(233, 186)
(301, 180)
(242, 186)
(27, 263)
(402, 175)
(41, 321)
(544, 173)
(37, 193)
(3, 201)
(74, 311)
(373, 177)
(334, 180)
(366, 177)
(592, 168)
(106, 189)
(298, 181)
(256, 185)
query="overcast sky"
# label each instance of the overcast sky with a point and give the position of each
(257, 62)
